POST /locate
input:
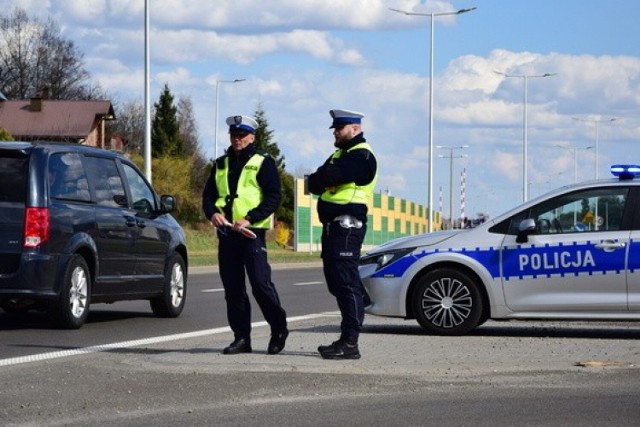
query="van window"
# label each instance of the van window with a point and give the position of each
(13, 178)
(142, 195)
(106, 181)
(67, 178)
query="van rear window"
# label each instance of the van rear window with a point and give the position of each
(13, 178)
(67, 178)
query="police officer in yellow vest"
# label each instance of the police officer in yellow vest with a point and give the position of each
(244, 190)
(345, 184)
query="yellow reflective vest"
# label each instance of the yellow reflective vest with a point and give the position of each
(248, 191)
(350, 192)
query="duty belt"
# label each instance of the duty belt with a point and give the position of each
(348, 221)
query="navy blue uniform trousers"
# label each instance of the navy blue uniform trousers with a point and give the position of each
(236, 255)
(340, 258)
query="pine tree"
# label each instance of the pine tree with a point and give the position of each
(264, 137)
(165, 129)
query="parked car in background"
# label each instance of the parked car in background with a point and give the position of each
(81, 225)
(573, 253)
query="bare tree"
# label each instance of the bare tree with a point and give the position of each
(190, 139)
(129, 125)
(35, 57)
(187, 123)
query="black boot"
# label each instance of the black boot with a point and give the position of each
(323, 348)
(277, 341)
(239, 345)
(344, 348)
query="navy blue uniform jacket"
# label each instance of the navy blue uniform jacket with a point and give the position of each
(268, 179)
(357, 166)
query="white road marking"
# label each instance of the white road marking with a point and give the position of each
(134, 343)
(209, 291)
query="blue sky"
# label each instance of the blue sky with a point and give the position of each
(302, 58)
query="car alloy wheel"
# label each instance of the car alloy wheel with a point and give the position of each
(447, 302)
(71, 309)
(172, 300)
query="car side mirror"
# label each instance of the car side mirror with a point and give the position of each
(167, 203)
(526, 227)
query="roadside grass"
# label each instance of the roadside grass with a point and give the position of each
(203, 250)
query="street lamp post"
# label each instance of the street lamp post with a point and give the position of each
(525, 142)
(575, 175)
(430, 184)
(596, 122)
(451, 157)
(574, 150)
(215, 136)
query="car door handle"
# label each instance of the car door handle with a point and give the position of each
(610, 245)
(140, 223)
(130, 221)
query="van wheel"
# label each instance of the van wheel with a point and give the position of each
(171, 303)
(447, 302)
(71, 309)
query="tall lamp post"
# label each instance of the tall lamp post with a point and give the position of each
(451, 157)
(525, 142)
(147, 96)
(215, 137)
(596, 122)
(574, 150)
(431, 18)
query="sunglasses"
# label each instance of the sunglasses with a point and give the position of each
(238, 134)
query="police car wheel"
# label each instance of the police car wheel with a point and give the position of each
(447, 302)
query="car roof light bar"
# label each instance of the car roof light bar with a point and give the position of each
(625, 171)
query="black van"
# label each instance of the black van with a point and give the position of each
(81, 225)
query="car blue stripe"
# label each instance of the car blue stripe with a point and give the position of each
(533, 261)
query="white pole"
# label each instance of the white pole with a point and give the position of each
(430, 188)
(215, 132)
(525, 142)
(147, 95)
(431, 55)
(525, 146)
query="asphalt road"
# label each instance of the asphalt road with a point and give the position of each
(301, 289)
(504, 373)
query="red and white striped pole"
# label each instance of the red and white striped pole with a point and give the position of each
(463, 177)
(440, 204)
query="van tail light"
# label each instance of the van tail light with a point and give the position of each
(36, 227)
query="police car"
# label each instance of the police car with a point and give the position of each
(573, 253)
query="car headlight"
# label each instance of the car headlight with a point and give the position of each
(385, 258)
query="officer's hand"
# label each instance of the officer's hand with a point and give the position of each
(240, 224)
(218, 220)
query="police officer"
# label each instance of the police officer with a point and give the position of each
(345, 183)
(243, 190)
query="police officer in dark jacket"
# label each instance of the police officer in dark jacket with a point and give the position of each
(345, 184)
(243, 190)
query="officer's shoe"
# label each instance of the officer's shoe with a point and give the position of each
(332, 346)
(341, 349)
(239, 345)
(276, 343)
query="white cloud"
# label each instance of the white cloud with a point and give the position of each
(298, 66)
